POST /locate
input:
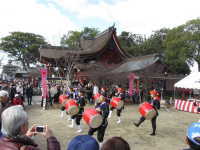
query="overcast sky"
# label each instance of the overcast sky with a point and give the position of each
(53, 18)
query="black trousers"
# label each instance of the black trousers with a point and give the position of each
(153, 122)
(156, 103)
(42, 102)
(118, 111)
(62, 108)
(100, 132)
(77, 118)
(29, 98)
(135, 99)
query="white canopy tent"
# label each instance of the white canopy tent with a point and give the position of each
(192, 81)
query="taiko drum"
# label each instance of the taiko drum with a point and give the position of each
(116, 102)
(71, 107)
(147, 110)
(92, 118)
(63, 99)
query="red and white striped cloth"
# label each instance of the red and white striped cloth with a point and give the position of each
(187, 106)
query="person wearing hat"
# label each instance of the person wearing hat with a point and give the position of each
(193, 136)
(83, 142)
(103, 108)
(120, 93)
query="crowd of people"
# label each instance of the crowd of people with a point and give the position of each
(19, 90)
(15, 134)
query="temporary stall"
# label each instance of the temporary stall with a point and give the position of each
(192, 82)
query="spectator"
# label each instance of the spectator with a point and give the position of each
(29, 94)
(4, 103)
(193, 136)
(52, 92)
(115, 143)
(58, 93)
(12, 92)
(83, 142)
(17, 100)
(95, 89)
(16, 134)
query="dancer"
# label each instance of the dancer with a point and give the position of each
(153, 121)
(103, 108)
(77, 118)
(120, 93)
(155, 95)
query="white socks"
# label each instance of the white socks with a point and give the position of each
(79, 129)
(72, 125)
(110, 114)
(69, 118)
(62, 114)
(100, 145)
(119, 120)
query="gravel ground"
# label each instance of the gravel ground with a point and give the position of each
(171, 127)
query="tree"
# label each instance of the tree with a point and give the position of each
(138, 45)
(132, 42)
(155, 43)
(72, 39)
(23, 47)
(183, 43)
(67, 68)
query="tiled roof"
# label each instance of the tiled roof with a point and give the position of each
(136, 63)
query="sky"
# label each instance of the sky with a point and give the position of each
(54, 18)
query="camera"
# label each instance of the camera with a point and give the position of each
(39, 129)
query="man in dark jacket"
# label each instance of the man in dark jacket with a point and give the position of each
(12, 92)
(29, 94)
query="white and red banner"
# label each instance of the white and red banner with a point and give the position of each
(44, 83)
(187, 106)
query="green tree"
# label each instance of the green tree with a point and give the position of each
(23, 47)
(72, 39)
(182, 43)
(138, 45)
(155, 43)
(131, 42)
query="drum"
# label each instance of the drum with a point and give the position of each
(71, 107)
(63, 99)
(147, 110)
(117, 103)
(92, 118)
